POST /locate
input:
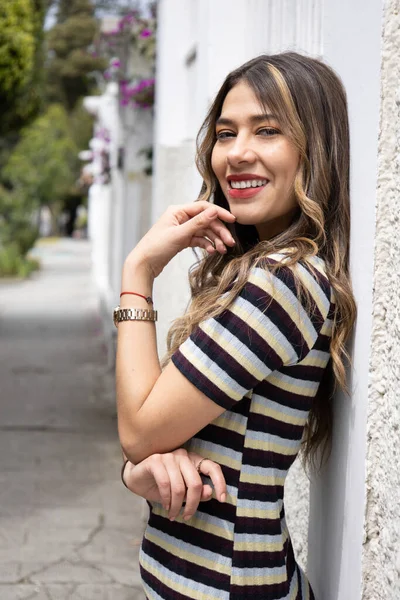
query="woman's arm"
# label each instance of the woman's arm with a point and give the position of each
(158, 412)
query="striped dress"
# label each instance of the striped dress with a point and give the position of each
(262, 360)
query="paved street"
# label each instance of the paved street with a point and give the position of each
(68, 528)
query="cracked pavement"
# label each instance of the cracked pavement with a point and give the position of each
(69, 530)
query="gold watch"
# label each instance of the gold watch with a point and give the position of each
(133, 314)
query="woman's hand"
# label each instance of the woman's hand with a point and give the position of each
(172, 479)
(183, 226)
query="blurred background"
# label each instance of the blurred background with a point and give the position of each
(100, 104)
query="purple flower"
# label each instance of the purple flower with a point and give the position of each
(128, 18)
(146, 33)
(115, 63)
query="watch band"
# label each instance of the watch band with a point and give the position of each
(133, 314)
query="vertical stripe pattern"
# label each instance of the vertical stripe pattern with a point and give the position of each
(262, 360)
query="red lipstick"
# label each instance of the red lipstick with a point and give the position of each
(248, 192)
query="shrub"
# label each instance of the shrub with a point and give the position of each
(13, 264)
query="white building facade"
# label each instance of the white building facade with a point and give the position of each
(345, 525)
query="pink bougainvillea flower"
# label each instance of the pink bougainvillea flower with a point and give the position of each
(146, 33)
(129, 18)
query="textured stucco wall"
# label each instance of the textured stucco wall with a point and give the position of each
(297, 502)
(381, 548)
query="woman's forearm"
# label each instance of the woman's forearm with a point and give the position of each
(137, 363)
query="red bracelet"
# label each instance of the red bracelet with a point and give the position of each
(147, 298)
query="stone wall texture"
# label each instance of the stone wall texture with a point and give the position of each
(381, 550)
(297, 503)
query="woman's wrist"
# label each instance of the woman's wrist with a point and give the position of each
(138, 277)
(136, 263)
(126, 471)
(124, 464)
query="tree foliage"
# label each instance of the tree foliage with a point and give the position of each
(71, 62)
(40, 166)
(43, 77)
(17, 45)
(21, 63)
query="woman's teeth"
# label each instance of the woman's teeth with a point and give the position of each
(240, 185)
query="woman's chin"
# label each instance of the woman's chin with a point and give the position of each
(243, 219)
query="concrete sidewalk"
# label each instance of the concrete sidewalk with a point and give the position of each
(68, 528)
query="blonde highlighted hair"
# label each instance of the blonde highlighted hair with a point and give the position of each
(310, 104)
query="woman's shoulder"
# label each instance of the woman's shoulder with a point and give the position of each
(278, 269)
(284, 260)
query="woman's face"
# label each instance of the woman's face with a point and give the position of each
(255, 163)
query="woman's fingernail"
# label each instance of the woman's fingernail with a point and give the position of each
(187, 517)
(172, 518)
(223, 497)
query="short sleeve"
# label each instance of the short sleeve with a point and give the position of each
(267, 326)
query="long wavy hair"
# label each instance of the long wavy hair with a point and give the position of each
(310, 103)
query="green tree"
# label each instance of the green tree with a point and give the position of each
(40, 166)
(71, 63)
(21, 64)
(17, 45)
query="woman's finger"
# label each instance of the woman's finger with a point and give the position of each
(178, 487)
(201, 242)
(221, 231)
(194, 487)
(199, 206)
(214, 471)
(162, 479)
(206, 493)
(214, 238)
(200, 222)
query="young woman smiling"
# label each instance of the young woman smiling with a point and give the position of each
(251, 365)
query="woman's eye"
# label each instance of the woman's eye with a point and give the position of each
(222, 135)
(267, 131)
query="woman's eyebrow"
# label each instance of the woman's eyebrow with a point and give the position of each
(253, 119)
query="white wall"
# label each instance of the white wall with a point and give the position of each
(352, 38)
(120, 211)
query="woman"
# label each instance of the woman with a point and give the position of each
(248, 382)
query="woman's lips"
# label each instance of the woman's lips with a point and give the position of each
(245, 192)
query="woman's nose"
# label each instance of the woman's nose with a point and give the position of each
(240, 152)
